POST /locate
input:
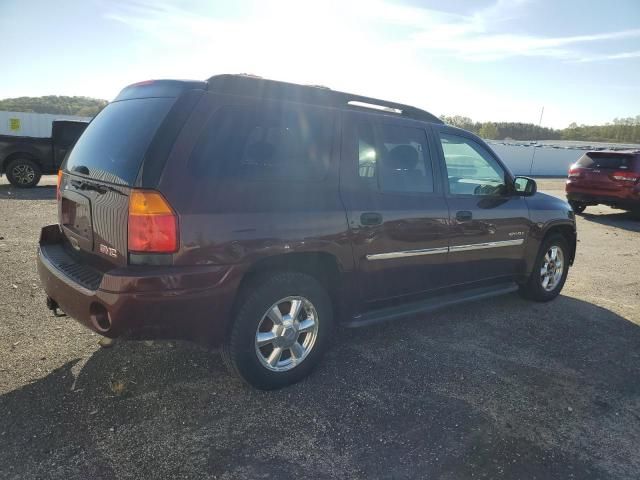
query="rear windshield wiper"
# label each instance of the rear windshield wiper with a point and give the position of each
(86, 185)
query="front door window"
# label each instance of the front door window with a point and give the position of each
(471, 169)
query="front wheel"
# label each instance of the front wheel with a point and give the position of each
(549, 271)
(282, 327)
(23, 173)
(577, 207)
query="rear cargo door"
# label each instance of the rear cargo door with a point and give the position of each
(93, 217)
(100, 172)
(598, 169)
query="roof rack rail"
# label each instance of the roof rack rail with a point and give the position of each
(251, 85)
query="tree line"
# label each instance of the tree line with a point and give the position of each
(82, 106)
(621, 130)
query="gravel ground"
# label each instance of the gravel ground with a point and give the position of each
(497, 389)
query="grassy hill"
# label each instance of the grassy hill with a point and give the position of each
(83, 106)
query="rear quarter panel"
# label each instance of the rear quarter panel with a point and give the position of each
(241, 221)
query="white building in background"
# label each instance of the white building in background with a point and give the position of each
(28, 124)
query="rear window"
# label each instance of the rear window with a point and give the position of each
(264, 143)
(606, 160)
(113, 145)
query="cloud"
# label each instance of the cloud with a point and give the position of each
(372, 47)
(476, 38)
(612, 56)
(479, 37)
(479, 46)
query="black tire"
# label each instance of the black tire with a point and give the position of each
(23, 173)
(578, 207)
(533, 289)
(239, 350)
(634, 213)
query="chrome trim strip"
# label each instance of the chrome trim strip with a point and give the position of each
(408, 253)
(454, 248)
(482, 246)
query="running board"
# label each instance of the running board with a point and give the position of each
(429, 305)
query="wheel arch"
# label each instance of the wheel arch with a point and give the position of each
(568, 232)
(17, 155)
(323, 266)
(539, 234)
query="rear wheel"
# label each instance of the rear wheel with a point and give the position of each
(578, 207)
(635, 213)
(280, 331)
(23, 173)
(549, 271)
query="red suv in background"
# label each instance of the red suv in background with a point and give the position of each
(608, 177)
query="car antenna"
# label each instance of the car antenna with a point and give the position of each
(534, 147)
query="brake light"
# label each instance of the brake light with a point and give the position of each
(153, 225)
(58, 185)
(575, 172)
(625, 176)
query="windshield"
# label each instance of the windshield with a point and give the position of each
(113, 145)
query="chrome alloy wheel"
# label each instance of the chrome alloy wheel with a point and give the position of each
(286, 334)
(24, 174)
(552, 268)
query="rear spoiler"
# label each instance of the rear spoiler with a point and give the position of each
(159, 88)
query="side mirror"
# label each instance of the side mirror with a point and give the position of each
(524, 186)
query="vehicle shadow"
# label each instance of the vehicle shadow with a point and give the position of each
(624, 220)
(40, 192)
(504, 388)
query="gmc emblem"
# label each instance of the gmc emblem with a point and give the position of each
(111, 252)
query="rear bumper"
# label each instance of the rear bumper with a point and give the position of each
(191, 303)
(624, 202)
(625, 197)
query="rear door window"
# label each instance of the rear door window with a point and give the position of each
(113, 145)
(396, 157)
(264, 143)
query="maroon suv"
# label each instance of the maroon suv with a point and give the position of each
(258, 215)
(607, 177)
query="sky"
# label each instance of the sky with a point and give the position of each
(491, 60)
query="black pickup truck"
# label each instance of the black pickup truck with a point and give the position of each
(25, 159)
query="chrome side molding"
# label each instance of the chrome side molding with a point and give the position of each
(453, 248)
(482, 246)
(407, 253)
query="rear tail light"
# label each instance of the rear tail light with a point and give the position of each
(58, 185)
(153, 225)
(575, 172)
(630, 177)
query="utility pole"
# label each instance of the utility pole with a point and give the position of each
(535, 146)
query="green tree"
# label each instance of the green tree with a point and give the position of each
(489, 130)
(625, 130)
(83, 106)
